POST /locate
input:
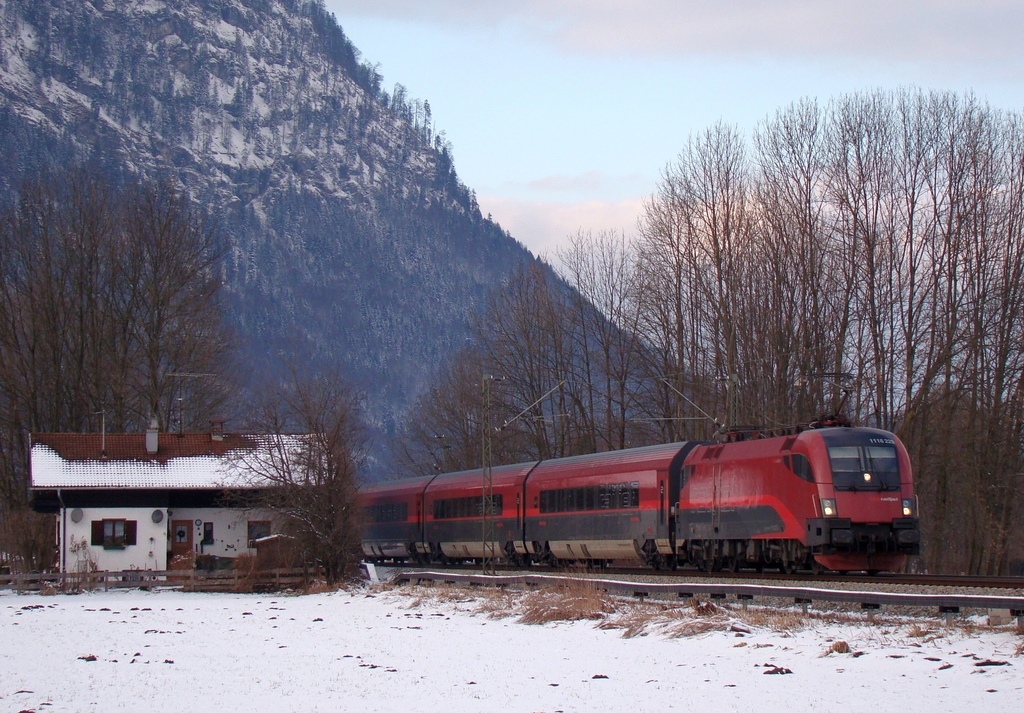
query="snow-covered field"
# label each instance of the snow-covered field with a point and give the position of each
(420, 649)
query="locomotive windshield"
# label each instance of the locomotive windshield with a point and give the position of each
(863, 462)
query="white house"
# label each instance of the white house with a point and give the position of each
(136, 500)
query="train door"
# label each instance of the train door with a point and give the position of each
(716, 499)
(419, 520)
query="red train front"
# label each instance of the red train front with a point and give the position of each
(835, 498)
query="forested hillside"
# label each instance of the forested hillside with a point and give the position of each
(348, 237)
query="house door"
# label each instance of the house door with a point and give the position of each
(181, 537)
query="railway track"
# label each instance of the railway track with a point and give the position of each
(923, 580)
(805, 579)
(936, 594)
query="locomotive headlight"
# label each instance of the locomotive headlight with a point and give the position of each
(908, 508)
(828, 507)
(867, 477)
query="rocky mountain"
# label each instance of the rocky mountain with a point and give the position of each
(350, 239)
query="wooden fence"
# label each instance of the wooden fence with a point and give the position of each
(187, 580)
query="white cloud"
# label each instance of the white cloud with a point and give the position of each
(944, 31)
(544, 226)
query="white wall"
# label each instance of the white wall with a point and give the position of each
(149, 552)
(230, 535)
(230, 529)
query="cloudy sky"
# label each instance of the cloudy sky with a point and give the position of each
(562, 113)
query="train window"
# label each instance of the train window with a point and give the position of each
(452, 508)
(386, 512)
(864, 467)
(613, 496)
(687, 474)
(800, 466)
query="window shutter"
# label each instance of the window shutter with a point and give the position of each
(130, 528)
(97, 533)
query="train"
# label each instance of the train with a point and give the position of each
(836, 499)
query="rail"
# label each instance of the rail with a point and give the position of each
(187, 580)
(868, 600)
(892, 578)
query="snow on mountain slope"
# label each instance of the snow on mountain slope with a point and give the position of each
(350, 239)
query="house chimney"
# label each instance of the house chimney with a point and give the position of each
(217, 429)
(153, 436)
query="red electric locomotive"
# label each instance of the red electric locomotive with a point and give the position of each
(832, 498)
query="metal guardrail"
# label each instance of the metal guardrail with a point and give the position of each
(944, 603)
(190, 580)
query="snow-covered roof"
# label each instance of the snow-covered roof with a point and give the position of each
(192, 461)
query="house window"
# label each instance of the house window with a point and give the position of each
(114, 534)
(258, 529)
(207, 533)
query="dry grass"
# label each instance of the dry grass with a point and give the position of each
(696, 618)
(637, 618)
(498, 603)
(917, 631)
(577, 600)
(695, 627)
(318, 585)
(581, 600)
(778, 620)
(704, 608)
(439, 593)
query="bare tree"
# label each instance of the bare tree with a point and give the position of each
(104, 294)
(306, 464)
